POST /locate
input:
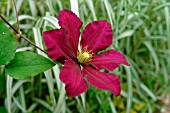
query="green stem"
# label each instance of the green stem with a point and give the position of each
(19, 33)
(16, 15)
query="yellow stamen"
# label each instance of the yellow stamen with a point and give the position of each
(84, 56)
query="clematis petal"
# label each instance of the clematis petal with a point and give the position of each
(109, 60)
(57, 45)
(101, 80)
(71, 25)
(71, 75)
(97, 36)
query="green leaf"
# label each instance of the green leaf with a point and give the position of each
(2, 82)
(7, 44)
(26, 64)
(3, 109)
(2, 0)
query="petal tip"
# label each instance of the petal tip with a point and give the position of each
(70, 74)
(102, 81)
(77, 94)
(97, 35)
(65, 15)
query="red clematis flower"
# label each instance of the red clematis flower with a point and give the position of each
(62, 45)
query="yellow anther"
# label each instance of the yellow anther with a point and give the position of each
(84, 56)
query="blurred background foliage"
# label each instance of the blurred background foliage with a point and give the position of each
(141, 31)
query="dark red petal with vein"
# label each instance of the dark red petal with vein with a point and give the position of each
(57, 45)
(53, 49)
(109, 60)
(97, 36)
(101, 80)
(71, 25)
(71, 75)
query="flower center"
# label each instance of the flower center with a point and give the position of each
(84, 56)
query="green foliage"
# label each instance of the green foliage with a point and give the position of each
(2, 82)
(2, 0)
(26, 64)
(141, 31)
(7, 44)
(2, 109)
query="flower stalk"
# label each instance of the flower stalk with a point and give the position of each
(19, 33)
(16, 15)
